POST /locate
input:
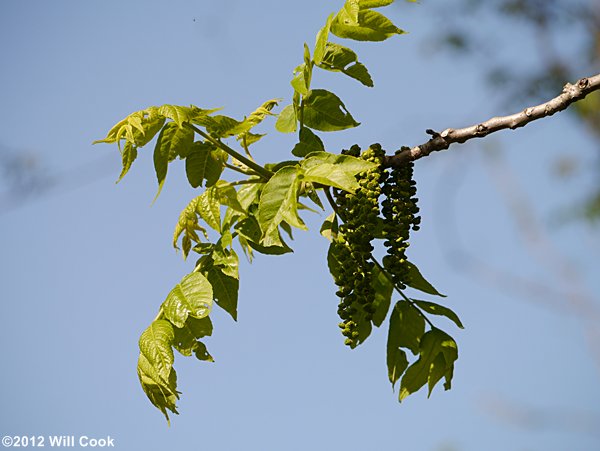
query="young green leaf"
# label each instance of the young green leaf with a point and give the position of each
(406, 327)
(418, 282)
(369, 26)
(172, 141)
(330, 226)
(128, 156)
(324, 111)
(185, 339)
(383, 288)
(367, 4)
(225, 290)
(204, 163)
(193, 296)
(256, 117)
(208, 208)
(309, 142)
(437, 356)
(287, 121)
(436, 309)
(179, 114)
(162, 393)
(278, 203)
(156, 346)
(338, 58)
(188, 225)
(321, 42)
(299, 81)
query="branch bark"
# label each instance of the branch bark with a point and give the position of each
(440, 141)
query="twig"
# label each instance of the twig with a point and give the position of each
(441, 141)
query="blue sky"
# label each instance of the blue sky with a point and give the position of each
(87, 264)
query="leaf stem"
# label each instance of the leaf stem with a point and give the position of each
(257, 168)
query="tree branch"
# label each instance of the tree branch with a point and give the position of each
(440, 141)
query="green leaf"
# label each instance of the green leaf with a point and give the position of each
(178, 114)
(128, 156)
(383, 288)
(370, 26)
(436, 309)
(338, 171)
(321, 42)
(256, 117)
(278, 203)
(299, 81)
(228, 196)
(331, 175)
(188, 225)
(338, 58)
(418, 282)
(221, 126)
(287, 120)
(309, 142)
(405, 331)
(367, 4)
(437, 356)
(185, 340)
(172, 141)
(208, 208)
(225, 290)
(156, 346)
(396, 361)
(204, 162)
(163, 394)
(330, 226)
(193, 296)
(324, 111)
(280, 249)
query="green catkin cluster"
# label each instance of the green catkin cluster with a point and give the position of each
(400, 212)
(360, 215)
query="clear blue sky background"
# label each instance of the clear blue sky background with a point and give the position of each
(86, 265)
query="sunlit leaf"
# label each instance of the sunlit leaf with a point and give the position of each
(321, 42)
(186, 338)
(203, 163)
(324, 111)
(193, 296)
(309, 142)
(172, 141)
(287, 122)
(338, 58)
(225, 290)
(278, 203)
(370, 26)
